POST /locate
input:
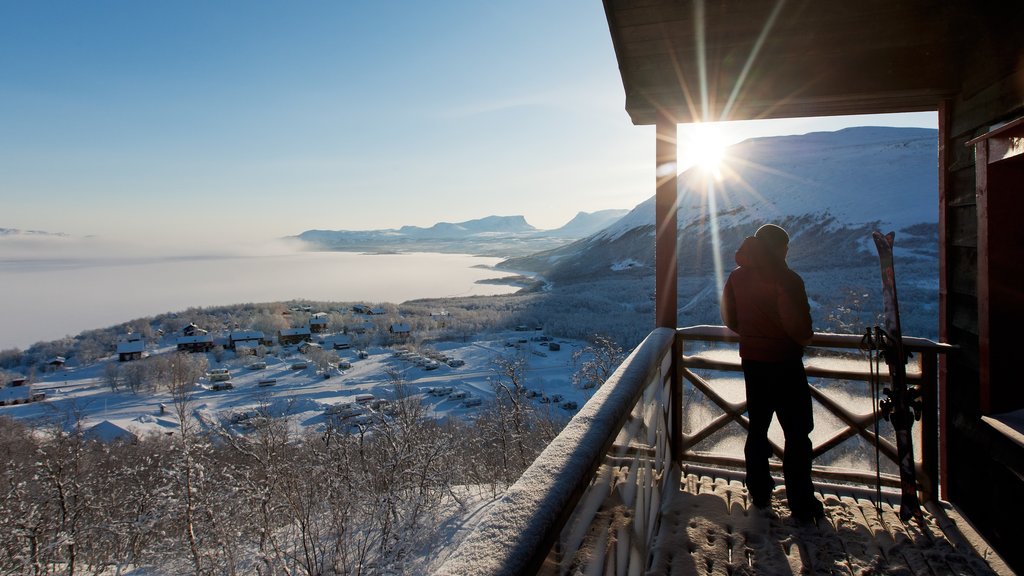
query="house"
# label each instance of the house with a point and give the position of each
(18, 391)
(400, 330)
(318, 322)
(199, 342)
(56, 362)
(192, 330)
(248, 338)
(341, 341)
(361, 328)
(361, 309)
(130, 347)
(306, 346)
(246, 348)
(294, 336)
(107, 431)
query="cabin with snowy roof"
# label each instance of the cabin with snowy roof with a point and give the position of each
(199, 341)
(318, 322)
(18, 390)
(109, 432)
(400, 331)
(361, 327)
(130, 347)
(340, 341)
(291, 336)
(249, 338)
(635, 483)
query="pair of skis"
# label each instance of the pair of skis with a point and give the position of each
(902, 404)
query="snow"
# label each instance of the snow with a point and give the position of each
(707, 525)
(107, 431)
(857, 176)
(626, 264)
(302, 395)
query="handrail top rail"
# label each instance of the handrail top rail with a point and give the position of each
(515, 535)
(712, 333)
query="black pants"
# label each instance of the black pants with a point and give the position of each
(779, 388)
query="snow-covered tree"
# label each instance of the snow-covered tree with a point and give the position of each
(596, 362)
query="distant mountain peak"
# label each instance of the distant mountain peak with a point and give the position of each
(31, 233)
(491, 235)
(486, 225)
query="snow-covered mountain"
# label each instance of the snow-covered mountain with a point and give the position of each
(505, 235)
(18, 233)
(586, 223)
(829, 189)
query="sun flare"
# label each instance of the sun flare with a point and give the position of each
(703, 145)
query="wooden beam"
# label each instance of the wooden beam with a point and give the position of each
(666, 264)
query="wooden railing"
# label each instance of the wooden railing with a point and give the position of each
(840, 374)
(590, 501)
(601, 477)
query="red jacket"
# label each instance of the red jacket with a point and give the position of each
(766, 304)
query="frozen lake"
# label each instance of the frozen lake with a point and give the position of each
(47, 298)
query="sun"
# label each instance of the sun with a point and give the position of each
(703, 145)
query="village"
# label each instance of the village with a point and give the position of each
(316, 375)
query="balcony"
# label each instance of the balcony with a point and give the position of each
(647, 478)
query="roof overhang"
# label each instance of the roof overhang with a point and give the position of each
(693, 60)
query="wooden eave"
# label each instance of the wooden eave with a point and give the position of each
(768, 59)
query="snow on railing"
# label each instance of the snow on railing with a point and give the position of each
(599, 481)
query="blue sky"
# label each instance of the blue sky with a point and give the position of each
(234, 121)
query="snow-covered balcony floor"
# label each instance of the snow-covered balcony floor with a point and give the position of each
(707, 526)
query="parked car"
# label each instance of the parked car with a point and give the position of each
(470, 402)
(218, 386)
(218, 375)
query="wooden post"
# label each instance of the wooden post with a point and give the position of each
(666, 263)
(930, 488)
(945, 317)
(676, 399)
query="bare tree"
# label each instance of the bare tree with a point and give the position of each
(187, 470)
(112, 375)
(324, 360)
(511, 408)
(596, 362)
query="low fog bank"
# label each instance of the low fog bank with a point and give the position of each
(25, 248)
(56, 290)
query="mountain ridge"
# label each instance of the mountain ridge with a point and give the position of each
(491, 235)
(829, 189)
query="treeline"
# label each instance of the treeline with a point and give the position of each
(205, 499)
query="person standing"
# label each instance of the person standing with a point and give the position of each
(766, 304)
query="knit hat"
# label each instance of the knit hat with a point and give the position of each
(774, 237)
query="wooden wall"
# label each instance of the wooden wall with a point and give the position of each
(983, 467)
